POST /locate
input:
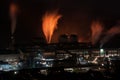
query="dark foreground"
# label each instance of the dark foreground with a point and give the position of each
(36, 74)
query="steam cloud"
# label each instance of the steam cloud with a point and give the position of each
(109, 34)
(13, 13)
(49, 24)
(96, 29)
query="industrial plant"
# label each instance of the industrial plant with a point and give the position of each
(59, 40)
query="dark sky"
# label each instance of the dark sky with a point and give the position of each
(77, 16)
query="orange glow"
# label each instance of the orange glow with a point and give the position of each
(82, 39)
(96, 29)
(49, 24)
(13, 12)
(113, 30)
(13, 9)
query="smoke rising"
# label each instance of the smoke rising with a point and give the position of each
(49, 24)
(96, 28)
(13, 14)
(109, 34)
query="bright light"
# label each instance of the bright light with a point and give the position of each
(15, 72)
(1, 68)
(101, 51)
(37, 62)
(43, 58)
(49, 24)
(102, 64)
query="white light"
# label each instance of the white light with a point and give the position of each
(43, 58)
(47, 65)
(101, 50)
(37, 62)
(1, 68)
(15, 72)
(20, 64)
(44, 63)
(102, 64)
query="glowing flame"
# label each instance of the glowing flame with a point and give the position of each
(96, 29)
(109, 34)
(49, 24)
(13, 12)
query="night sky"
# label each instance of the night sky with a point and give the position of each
(77, 16)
